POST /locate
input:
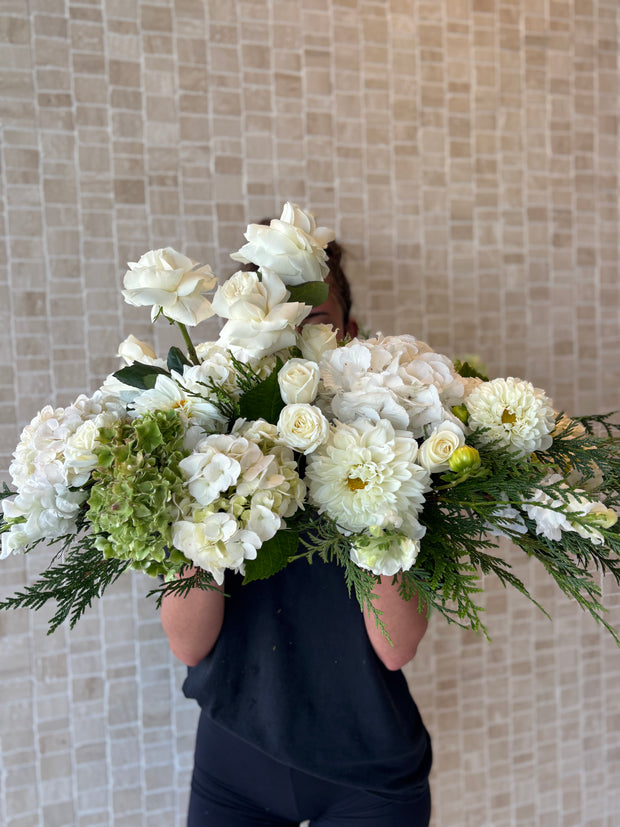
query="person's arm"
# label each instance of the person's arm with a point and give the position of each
(192, 623)
(404, 623)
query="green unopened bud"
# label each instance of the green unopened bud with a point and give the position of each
(461, 412)
(463, 459)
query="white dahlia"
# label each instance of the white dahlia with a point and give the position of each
(514, 413)
(366, 474)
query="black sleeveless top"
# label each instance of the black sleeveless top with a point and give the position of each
(293, 673)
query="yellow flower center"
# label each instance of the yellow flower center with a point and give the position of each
(508, 418)
(355, 483)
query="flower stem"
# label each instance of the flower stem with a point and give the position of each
(191, 350)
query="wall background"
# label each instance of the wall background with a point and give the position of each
(466, 152)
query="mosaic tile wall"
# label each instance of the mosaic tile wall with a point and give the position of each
(466, 151)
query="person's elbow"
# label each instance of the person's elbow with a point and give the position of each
(394, 658)
(190, 656)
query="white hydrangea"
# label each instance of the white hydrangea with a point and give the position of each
(396, 378)
(239, 496)
(366, 475)
(513, 413)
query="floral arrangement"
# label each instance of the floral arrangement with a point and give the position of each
(277, 441)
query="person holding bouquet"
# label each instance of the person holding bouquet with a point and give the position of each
(305, 712)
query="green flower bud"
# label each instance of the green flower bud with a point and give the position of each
(464, 459)
(461, 412)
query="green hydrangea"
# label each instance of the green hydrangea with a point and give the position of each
(137, 485)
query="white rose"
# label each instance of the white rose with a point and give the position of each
(264, 322)
(302, 427)
(172, 283)
(299, 381)
(316, 339)
(384, 554)
(133, 350)
(435, 451)
(291, 246)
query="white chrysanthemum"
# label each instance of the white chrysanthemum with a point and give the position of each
(366, 475)
(514, 413)
(385, 554)
(170, 394)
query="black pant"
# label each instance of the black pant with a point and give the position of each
(236, 785)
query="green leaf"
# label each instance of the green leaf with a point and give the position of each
(272, 556)
(177, 360)
(264, 400)
(310, 292)
(140, 376)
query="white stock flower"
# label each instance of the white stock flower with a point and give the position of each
(435, 452)
(299, 381)
(172, 283)
(385, 554)
(302, 427)
(366, 475)
(514, 413)
(291, 246)
(315, 339)
(264, 321)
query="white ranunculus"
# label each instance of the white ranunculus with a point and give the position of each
(299, 381)
(266, 323)
(316, 339)
(291, 246)
(435, 451)
(366, 475)
(302, 427)
(172, 283)
(513, 413)
(384, 554)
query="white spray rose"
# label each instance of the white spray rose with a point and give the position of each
(385, 554)
(299, 381)
(291, 246)
(302, 427)
(435, 451)
(316, 339)
(172, 283)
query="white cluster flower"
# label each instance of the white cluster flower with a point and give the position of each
(261, 320)
(571, 510)
(171, 283)
(238, 497)
(366, 475)
(55, 454)
(291, 246)
(397, 378)
(513, 413)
